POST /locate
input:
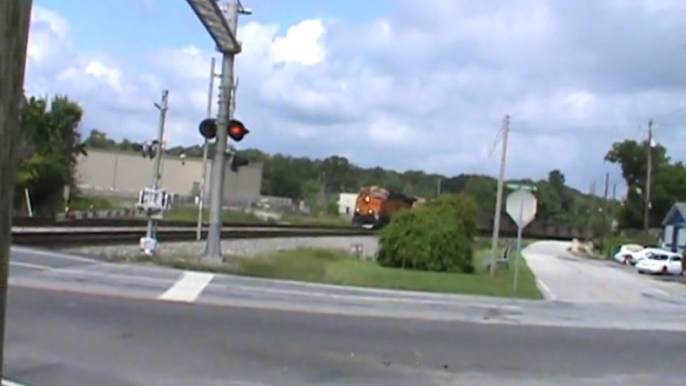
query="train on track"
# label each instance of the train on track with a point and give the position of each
(375, 206)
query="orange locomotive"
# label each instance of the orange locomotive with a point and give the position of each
(375, 206)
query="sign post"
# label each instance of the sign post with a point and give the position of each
(521, 207)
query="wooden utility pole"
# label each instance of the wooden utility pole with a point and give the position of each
(614, 207)
(499, 197)
(605, 210)
(591, 209)
(649, 173)
(15, 17)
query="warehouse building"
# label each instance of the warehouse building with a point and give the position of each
(121, 174)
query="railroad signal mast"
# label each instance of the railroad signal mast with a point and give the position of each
(154, 200)
(236, 131)
(222, 25)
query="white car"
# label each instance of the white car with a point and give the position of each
(631, 253)
(663, 263)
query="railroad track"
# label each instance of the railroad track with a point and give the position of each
(103, 231)
(141, 222)
(71, 236)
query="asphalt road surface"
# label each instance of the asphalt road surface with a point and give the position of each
(565, 277)
(154, 326)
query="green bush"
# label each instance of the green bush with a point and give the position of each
(436, 237)
(461, 207)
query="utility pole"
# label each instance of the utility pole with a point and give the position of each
(322, 192)
(614, 206)
(591, 209)
(607, 191)
(205, 150)
(499, 196)
(15, 16)
(213, 248)
(649, 173)
(438, 188)
(159, 152)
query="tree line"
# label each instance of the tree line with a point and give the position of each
(52, 141)
(668, 181)
(318, 181)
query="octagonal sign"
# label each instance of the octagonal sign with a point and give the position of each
(521, 207)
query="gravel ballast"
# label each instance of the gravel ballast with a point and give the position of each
(365, 245)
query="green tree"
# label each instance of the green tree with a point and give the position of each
(99, 140)
(632, 157)
(51, 146)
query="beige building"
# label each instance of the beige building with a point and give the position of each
(347, 203)
(124, 174)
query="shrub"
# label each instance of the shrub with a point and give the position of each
(461, 207)
(436, 237)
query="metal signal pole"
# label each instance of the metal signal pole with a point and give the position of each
(499, 196)
(222, 26)
(156, 176)
(205, 150)
(213, 248)
(15, 17)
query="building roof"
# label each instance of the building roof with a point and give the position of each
(676, 214)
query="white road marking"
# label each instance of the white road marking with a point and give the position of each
(53, 254)
(368, 298)
(189, 287)
(6, 382)
(31, 265)
(70, 271)
(546, 290)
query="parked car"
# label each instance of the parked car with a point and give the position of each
(663, 263)
(627, 253)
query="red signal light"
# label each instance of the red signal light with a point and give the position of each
(237, 130)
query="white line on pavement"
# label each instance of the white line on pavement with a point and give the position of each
(370, 298)
(31, 265)
(6, 382)
(53, 254)
(87, 273)
(189, 287)
(546, 290)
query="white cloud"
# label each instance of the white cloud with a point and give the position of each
(425, 86)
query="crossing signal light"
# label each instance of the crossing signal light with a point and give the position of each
(237, 130)
(238, 162)
(208, 128)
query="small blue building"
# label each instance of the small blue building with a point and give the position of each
(674, 235)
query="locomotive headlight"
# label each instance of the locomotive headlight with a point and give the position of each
(370, 211)
(366, 199)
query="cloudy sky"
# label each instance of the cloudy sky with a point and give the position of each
(404, 84)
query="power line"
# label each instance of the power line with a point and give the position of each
(495, 143)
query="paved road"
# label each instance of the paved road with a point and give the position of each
(55, 271)
(159, 326)
(565, 277)
(57, 338)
